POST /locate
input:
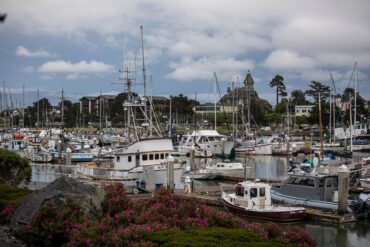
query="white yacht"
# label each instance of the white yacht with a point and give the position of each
(207, 140)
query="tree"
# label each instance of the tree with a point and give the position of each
(278, 82)
(13, 168)
(298, 97)
(361, 109)
(317, 87)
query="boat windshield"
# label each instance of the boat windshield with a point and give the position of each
(239, 190)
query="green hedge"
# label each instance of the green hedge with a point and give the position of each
(10, 195)
(214, 236)
(13, 168)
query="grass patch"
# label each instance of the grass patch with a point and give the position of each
(11, 195)
(214, 236)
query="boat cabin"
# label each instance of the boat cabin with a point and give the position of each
(251, 194)
(312, 187)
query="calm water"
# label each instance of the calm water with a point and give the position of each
(266, 167)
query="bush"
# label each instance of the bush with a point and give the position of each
(13, 168)
(10, 198)
(214, 236)
(166, 219)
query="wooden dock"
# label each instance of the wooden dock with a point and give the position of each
(316, 214)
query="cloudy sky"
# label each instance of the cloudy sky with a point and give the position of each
(81, 45)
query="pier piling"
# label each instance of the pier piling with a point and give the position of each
(343, 186)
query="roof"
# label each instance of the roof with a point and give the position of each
(109, 97)
(248, 79)
(304, 106)
(158, 98)
(89, 98)
(205, 133)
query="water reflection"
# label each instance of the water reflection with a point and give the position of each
(357, 234)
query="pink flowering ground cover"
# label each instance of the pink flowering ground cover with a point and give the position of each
(126, 222)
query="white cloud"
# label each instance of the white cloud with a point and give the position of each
(24, 52)
(203, 69)
(82, 67)
(28, 69)
(288, 60)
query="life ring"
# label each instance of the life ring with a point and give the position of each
(363, 132)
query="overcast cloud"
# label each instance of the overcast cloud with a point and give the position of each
(185, 42)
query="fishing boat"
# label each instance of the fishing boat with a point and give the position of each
(311, 190)
(253, 199)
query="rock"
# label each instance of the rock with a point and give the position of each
(89, 197)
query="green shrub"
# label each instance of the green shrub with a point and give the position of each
(13, 168)
(10, 195)
(214, 236)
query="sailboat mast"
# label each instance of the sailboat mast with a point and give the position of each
(330, 99)
(144, 75)
(320, 119)
(23, 105)
(215, 103)
(38, 109)
(62, 104)
(355, 108)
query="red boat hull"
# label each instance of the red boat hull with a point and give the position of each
(284, 216)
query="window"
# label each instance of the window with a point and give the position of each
(151, 156)
(253, 192)
(211, 138)
(329, 183)
(335, 182)
(297, 181)
(129, 158)
(321, 183)
(304, 111)
(262, 192)
(308, 182)
(291, 180)
(162, 156)
(118, 158)
(166, 155)
(157, 156)
(145, 157)
(239, 191)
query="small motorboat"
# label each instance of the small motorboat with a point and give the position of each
(253, 199)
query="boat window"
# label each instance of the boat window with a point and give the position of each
(321, 183)
(157, 156)
(308, 182)
(129, 158)
(162, 156)
(253, 192)
(211, 138)
(290, 180)
(239, 191)
(262, 192)
(297, 181)
(118, 158)
(166, 155)
(145, 157)
(335, 182)
(329, 183)
(151, 156)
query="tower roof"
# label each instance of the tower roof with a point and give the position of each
(248, 81)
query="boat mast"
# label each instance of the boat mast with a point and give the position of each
(355, 108)
(144, 77)
(233, 97)
(38, 109)
(334, 105)
(350, 122)
(23, 105)
(320, 119)
(215, 103)
(62, 104)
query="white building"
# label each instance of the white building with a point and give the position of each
(303, 110)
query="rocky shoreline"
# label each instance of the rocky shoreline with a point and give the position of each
(7, 239)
